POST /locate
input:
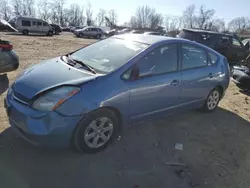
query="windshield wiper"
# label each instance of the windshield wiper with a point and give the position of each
(91, 69)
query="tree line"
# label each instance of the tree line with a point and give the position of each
(56, 11)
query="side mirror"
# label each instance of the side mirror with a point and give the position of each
(134, 73)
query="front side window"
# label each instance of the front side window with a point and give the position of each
(39, 23)
(109, 54)
(33, 23)
(161, 60)
(26, 23)
(192, 56)
(236, 42)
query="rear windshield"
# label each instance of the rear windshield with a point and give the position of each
(109, 54)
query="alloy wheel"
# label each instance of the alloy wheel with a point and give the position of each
(98, 132)
(213, 100)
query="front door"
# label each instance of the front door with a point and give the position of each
(238, 50)
(156, 92)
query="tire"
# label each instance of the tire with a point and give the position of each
(50, 33)
(25, 32)
(212, 100)
(90, 135)
(80, 35)
(98, 36)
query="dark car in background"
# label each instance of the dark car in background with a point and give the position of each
(8, 59)
(228, 45)
(56, 29)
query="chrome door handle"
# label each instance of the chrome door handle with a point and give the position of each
(175, 82)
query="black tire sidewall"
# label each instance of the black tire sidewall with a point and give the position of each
(80, 35)
(78, 136)
(206, 103)
(25, 32)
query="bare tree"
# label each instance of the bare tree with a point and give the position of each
(146, 17)
(216, 25)
(239, 25)
(100, 19)
(205, 15)
(172, 23)
(5, 10)
(112, 15)
(74, 15)
(56, 9)
(44, 9)
(24, 7)
(89, 14)
(189, 17)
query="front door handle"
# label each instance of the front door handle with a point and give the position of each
(175, 82)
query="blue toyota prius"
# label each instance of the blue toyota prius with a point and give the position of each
(82, 99)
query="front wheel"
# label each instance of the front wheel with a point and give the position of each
(212, 100)
(96, 131)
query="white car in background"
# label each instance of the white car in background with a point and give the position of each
(27, 25)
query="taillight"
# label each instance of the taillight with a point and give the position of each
(6, 47)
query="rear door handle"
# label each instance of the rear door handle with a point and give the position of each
(175, 82)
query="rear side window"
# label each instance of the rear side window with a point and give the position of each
(39, 23)
(192, 56)
(212, 58)
(26, 23)
(33, 23)
(188, 35)
(224, 39)
(93, 29)
(160, 60)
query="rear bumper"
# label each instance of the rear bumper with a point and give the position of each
(39, 128)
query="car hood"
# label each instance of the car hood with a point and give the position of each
(49, 74)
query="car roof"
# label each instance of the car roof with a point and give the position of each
(209, 32)
(152, 39)
(147, 39)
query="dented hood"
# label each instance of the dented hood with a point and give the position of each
(49, 74)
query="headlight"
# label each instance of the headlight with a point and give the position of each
(53, 99)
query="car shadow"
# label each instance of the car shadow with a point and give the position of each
(143, 156)
(30, 34)
(4, 83)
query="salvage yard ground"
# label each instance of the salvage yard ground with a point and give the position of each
(216, 146)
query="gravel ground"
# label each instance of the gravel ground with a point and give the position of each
(215, 145)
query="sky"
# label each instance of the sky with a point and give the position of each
(225, 9)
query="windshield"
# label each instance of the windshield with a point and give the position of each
(109, 54)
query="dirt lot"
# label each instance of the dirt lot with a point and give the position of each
(216, 148)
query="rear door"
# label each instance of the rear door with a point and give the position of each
(196, 74)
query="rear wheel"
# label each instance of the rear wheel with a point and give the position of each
(25, 32)
(50, 33)
(212, 100)
(96, 131)
(98, 36)
(80, 35)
